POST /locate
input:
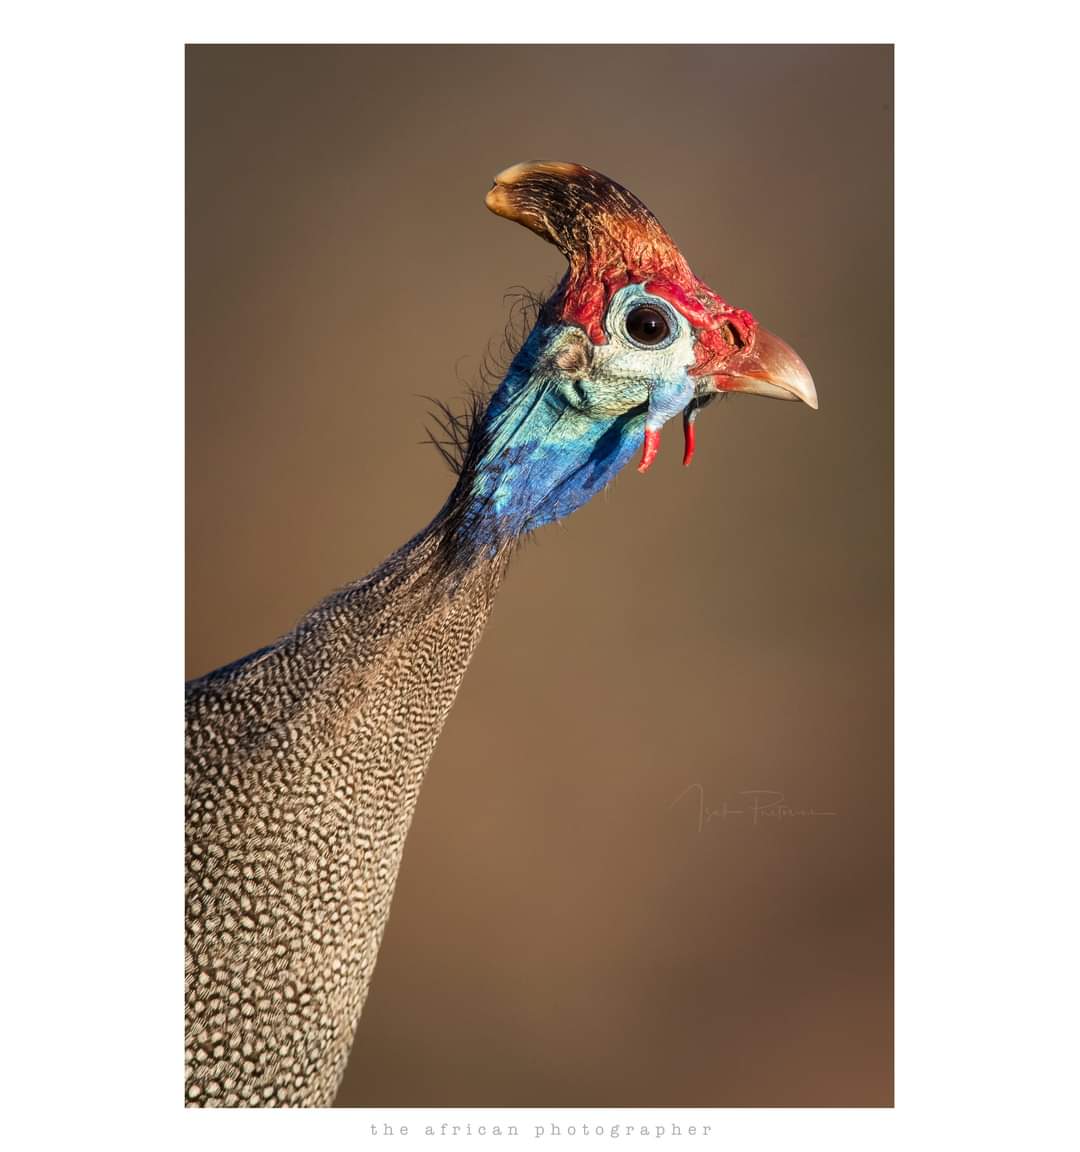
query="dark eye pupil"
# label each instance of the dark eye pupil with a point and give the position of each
(647, 325)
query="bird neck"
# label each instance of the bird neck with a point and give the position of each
(538, 454)
(305, 761)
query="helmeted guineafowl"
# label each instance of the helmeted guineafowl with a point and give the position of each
(305, 759)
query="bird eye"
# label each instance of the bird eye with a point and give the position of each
(647, 325)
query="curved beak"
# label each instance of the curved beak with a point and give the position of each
(770, 367)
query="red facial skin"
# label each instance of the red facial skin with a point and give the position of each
(634, 249)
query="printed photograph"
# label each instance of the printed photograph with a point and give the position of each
(539, 576)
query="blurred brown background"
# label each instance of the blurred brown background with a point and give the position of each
(562, 933)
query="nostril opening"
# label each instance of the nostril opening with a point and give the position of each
(732, 336)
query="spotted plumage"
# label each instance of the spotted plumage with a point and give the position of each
(304, 766)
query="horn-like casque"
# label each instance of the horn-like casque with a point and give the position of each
(609, 238)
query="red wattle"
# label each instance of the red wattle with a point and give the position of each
(688, 434)
(652, 446)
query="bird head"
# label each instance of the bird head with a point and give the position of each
(630, 338)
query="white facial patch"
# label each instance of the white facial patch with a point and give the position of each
(623, 357)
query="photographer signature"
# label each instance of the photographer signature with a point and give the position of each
(755, 804)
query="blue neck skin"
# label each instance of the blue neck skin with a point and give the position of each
(544, 452)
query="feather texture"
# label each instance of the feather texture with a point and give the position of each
(304, 763)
